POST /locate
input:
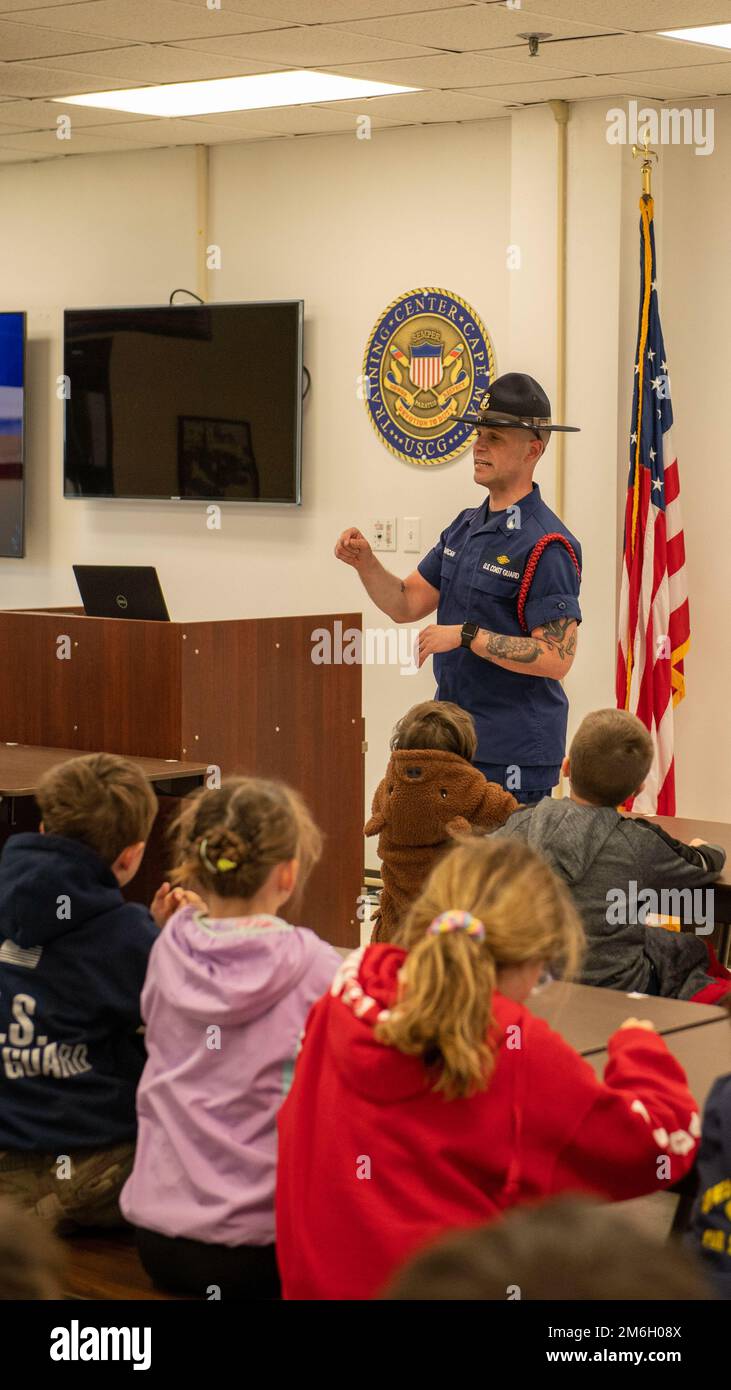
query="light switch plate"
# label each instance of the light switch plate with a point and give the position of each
(411, 533)
(383, 534)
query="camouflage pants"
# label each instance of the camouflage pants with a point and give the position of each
(68, 1190)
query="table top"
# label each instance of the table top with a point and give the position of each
(698, 1035)
(704, 1054)
(22, 765)
(586, 1016)
(716, 832)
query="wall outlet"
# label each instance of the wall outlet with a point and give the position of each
(411, 533)
(383, 534)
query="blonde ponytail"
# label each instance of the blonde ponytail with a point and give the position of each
(443, 1013)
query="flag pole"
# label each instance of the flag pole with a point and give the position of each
(653, 593)
(648, 154)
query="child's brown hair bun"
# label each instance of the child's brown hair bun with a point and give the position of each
(229, 838)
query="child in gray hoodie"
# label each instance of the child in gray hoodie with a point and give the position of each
(622, 871)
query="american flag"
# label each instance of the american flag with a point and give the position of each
(654, 622)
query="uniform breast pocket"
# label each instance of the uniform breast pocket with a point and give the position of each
(448, 571)
(497, 585)
(494, 598)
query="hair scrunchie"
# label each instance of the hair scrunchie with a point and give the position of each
(221, 866)
(456, 920)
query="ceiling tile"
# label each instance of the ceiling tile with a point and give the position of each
(340, 11)
(143, 22)
(305, 47)
(629, 14)
(713, 80)
(450, 70)
(298, 120)
(45, 142)
(467, 28)
(32, 80)
(19, 157)
(130, 135)
(263, 18)
(175, 131)
(13, 7)
(20, 42)
(43, 115)
(141, 63)
(651, 88)
(425, 107)
(622, 53)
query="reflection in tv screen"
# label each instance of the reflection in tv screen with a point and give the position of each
(12, 384)
(184, 401)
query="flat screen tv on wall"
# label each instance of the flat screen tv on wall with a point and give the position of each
(12, 434)
(184, 402)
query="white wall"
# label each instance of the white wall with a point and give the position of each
(336, 221)
(594, 370)
(89, 231)
(694, 218)
(341, 223)
(349, 225)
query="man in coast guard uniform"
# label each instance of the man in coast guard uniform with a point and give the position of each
(504, 578)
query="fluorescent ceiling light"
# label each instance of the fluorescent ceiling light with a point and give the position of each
(716, 35)
(296, 88)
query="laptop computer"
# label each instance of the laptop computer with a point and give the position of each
(121, 591)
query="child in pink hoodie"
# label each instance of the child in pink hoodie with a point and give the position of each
(225, 1001)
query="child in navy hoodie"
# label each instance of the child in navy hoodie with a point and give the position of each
(73, 956)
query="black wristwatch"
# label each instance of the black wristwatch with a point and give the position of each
(468, 634)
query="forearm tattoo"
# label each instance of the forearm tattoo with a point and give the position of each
(558, 636)
(523, 649)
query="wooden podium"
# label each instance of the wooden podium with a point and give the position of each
(241, 695)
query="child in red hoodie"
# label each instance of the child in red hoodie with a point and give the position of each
(427, 1097)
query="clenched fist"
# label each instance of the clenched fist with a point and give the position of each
(352, 547)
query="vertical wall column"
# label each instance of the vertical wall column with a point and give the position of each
(531, 258)
(202, 200)
(601, 259)
(598, 262)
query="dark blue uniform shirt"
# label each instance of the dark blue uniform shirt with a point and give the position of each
(477, 565)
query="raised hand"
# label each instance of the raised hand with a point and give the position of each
(352, 547)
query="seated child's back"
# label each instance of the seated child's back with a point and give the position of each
(226, 998)
(73, 956)
(427, 1097)
(709, 1235)
(431, 793)
(610, 861)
